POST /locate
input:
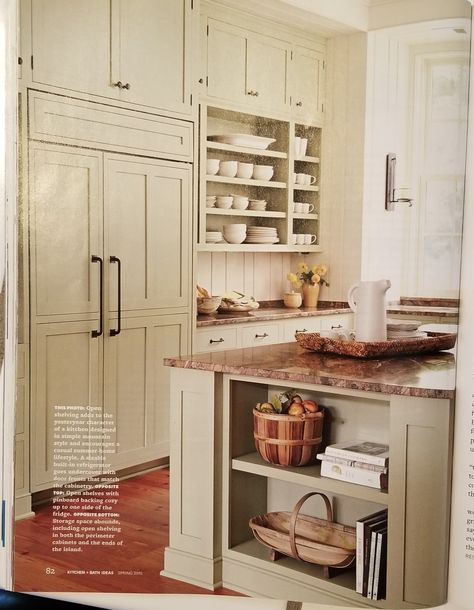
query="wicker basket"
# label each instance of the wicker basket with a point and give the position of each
(306, 538)
(288, 440)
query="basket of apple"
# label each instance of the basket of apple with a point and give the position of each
(288, 430)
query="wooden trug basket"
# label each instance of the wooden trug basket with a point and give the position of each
(319, 541)
(288, 440)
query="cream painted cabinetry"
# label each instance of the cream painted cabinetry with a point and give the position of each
(260, 69)
(246, 68)
(132, 51)
(110, 260)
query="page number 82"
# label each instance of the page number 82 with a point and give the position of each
(50, 571)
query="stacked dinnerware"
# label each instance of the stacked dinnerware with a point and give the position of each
(258, 205)
(235, 233)
(240, 202)
(213, 237)
(262, 235)
(404, 329)
(210, 201)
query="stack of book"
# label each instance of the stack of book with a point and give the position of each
(371, 555)
(361, 462)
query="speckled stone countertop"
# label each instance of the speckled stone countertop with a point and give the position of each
(271, 313)
(428, 375)
(423, 311)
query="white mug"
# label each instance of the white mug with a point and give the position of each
(294, 239)
(306, 208)
(303, 146)
(309, 179)
(297, 147)
(300, 178)
(300, 239)
(297, 207)
(309, 239)
(295, 177)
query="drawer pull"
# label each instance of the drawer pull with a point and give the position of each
(221, 340)
(303, 330)
(257, 336)
(126, 86)
(118, 84)
(338, 326)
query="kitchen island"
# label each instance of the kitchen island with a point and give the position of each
(218, 481)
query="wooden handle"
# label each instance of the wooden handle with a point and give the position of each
(294, 517)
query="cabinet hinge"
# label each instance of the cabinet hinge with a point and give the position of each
(207, 29)
(31, 62)
(324, 64)
(192, 5)
(3, 522)
(191, 99)
(322, 107)
(20, 61)
(291, 54)
(207, 81)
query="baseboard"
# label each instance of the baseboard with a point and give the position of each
(195, 570)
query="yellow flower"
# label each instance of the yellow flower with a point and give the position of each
(298, 284)
(315, 268)
(315, 278)
(322, 270)
(302, 267)
(292, 277)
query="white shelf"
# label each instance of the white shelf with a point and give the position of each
(224, 247)
(309, 159)
(308, 476)
(266, 214)
(300, 187)
(300, 216)
(275, 154)
(244, 181)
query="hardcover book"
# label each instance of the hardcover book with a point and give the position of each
(368, 452)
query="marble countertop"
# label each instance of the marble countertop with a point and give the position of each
(324, 308)
(428, 375)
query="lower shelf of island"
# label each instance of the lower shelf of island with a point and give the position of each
(308, 476)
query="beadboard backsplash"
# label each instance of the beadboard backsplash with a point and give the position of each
(258, 274)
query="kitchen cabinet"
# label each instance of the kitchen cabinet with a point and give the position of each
(307, 83)
(255, 71)
(109, 293)
(246, 68)
(132, 51)
(280, 192)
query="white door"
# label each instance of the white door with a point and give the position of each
(71, 45)
(151, 51)
(307, 83)
(65, 229)
(148, 215)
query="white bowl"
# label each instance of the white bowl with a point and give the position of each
(244, 170)
(224, 202)
(208, 305)
(235, 226)
(262, 172)
(236, 238)
(240, 205)
(228, 169)
(212, 166)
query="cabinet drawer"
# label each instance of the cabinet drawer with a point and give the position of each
(264, 334)
(344, 320)
(289, 327)
(211, 340)
(71, 121)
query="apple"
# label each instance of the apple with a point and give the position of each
(296, 398)
(310, 406)
(296, 408)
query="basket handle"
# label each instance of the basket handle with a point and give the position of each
(294, 517)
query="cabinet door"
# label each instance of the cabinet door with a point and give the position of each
(267, 68)
(148, 210)
(65, 229)
(151, 42)
(137, 386)
(226, 62)
(307, 83)
(66, 368)
(71, 45)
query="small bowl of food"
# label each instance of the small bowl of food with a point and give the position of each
(208, 305)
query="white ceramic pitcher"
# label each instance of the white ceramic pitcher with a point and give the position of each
(367, 301)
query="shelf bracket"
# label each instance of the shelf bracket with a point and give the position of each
(390, 197)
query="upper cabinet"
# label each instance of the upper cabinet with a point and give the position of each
(132, 51)
(246, 68)
(261, 72)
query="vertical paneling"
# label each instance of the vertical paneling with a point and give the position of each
(276, 276)
(204, 270)
(218, 272)
(235, 274)
(249, 272)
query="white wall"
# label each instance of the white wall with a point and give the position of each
(388, 13)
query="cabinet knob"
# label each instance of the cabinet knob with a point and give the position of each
(118, 84)
(256, 93)
(200, 81)
(221, 340)
(250, 92)
(257, 336)
(299, 103)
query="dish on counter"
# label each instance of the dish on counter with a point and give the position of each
(236, 302)
(396, 325)
(243, 139)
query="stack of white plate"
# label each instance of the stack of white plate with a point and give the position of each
(262, 235)
(404, 329)
(213, 237)
(258, 205)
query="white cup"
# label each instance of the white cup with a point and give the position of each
(303, 146)
(297, 147)
(294, 238)
(300, 178)
(212, 166)
(297, 207)
(306, 208)
(305, 179)
(300, 239)
(228, 169)
(244, 170)
(309, 239)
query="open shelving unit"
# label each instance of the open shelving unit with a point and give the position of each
(252, 486)
(279, 192)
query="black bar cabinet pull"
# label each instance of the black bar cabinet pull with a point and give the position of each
(116, 331)
(97, 259)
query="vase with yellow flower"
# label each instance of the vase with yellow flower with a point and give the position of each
(309, 279)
